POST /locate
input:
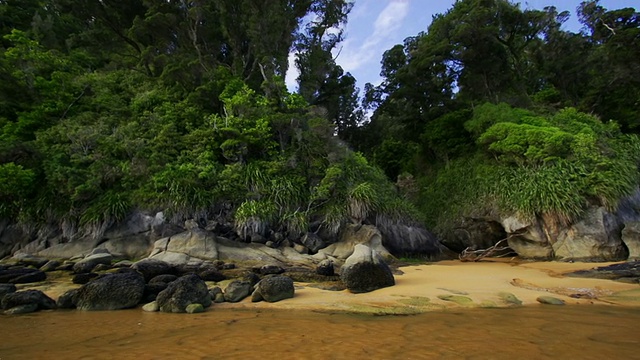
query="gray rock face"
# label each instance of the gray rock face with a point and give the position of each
(150, 268)
(179, 248)
(111, 292)
(410, 240)
(353, 235)
(313, 242)
(188, 289)
(273, 288)
(37, 297)
(237, 290)
(594, 237)
(88, 263)
(631, 238)
(597, 237)
(365, 271)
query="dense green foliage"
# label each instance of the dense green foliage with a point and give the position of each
(503, 112)
(180, 106)
(530, 165)
(108, 106)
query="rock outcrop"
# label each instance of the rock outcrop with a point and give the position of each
(353, 235)
(631, 238)
(365, 270)
(403, 240)
(595, 237)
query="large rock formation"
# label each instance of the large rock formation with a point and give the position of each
(365, 270)
(353, 235)
(402, 239)
(631, 238)
(595, 237)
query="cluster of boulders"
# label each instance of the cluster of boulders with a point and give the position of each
(161, 286)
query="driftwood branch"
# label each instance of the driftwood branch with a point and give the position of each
(477, 255)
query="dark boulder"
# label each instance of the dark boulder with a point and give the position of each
(151, 291)
(90, 262)
(27, 297)
(273, 288)
(365, 271)
(111, 292)
(84, 278)
(150, 268)
(271, 270)
(186, 290)
(251, 278)
(6, 289)
(20, 275)
(325, 267)
(67, 300)
(164, 278)
(628, 272)
(211, 275)
(237, 290)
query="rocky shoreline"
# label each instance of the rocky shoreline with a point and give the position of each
(154, 285)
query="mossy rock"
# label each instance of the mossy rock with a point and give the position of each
(488, 304)
(420, 301)
(194, 308)
(509, 298)
(458, 299)
(549, 300)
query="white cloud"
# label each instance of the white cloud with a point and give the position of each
(292, 73)
(353, 56)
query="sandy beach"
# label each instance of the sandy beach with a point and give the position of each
(454, 284)
(444, 285)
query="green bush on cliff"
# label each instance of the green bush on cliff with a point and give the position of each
(530, 165)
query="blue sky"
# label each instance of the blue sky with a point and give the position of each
(375, 26)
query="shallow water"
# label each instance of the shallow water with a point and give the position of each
(584, 331)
